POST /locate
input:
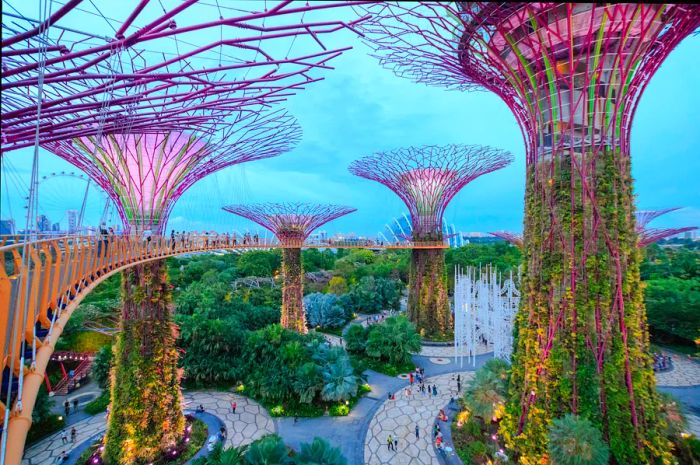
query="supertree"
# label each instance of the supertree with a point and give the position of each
(647, 235)
(291, 223)
(145, 174)
(426, 179)
(514, 238)
(573, 74)
(160, 71)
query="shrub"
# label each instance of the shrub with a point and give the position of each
(324, 310)
(393, 340)
(372, 295)
(575, 441)
(101, 366)
(99, 404)
(355, 338)
(320, 451)
(268, 450)
(339, 410)
(474, 453)
(340, 381)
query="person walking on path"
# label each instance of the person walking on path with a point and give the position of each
(417, 432)
(430, 392)
(233, 407)
(73, 434)
(75, 405)
(410, 378)
(389, 443)
(66, 407)
(396, 444)
(435, 390)
(64, 437)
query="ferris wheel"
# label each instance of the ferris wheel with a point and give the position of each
(74, 201)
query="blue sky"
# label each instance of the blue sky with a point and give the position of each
(361, 108)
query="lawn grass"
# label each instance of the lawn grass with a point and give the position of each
(362, 363)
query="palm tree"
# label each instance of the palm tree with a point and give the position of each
(340, 381)
(268, 450)
(486, 393)
(575, 441)
(320, 452)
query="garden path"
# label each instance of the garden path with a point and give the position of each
(399, 418)
(250, 422)
(685, 372)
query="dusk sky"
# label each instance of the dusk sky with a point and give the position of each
(361, 108)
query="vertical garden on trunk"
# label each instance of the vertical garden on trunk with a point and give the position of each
(145, 416)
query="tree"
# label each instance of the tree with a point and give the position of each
(394, 340)
(101, 366)
(319, 451)
(268, 450)
(372, 295)
(673, 307)
(575, 441)
(356, 338)
(486, 394)
(308, 382)
(259, 263)
(337, 285)
(324, 310)
(341, 383)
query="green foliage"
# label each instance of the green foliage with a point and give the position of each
(485, 394)
(268, 450)
(324, 310)
(502, 255)
(340, 381)
(673, 307)
(372, 295)
(318, 452)
(356, 338)
(49, 425)
(315, 259)
(259, 263)
(101, 366)
(99, 404)
(337, 285)
(575, 441)
(474, 453)
(394, 340)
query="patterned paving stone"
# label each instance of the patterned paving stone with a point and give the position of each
(685, 372)
(449, 351)
(249, 423)
(399, 418)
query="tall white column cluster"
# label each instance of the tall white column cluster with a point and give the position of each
(485, 304)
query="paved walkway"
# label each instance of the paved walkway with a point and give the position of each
(449, 351)
(250, 422)
(685, 372)
(399, 418)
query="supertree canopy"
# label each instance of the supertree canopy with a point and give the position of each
(167, 66)
(573, 74)
(145, 173)
(647, 235)
(514, 238)
(426, 179)
(291, 223)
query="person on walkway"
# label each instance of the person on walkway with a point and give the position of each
(233, 406)
(390, 443)
(66, 407)
(417, 432)
(62, 458)
(172, 239)
(76, 402)
(459, 385)
(64, 437)
(410, 378)
(73, 434)
(435, 390)
(430, 392)
(396, 444)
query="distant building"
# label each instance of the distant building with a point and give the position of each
(56, 227)
(72, 220)
(400, 229)
(692, 235)
(43, 224)
(7, 227)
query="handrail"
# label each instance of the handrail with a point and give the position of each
(62, 270)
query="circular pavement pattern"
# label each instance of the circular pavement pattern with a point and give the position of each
(399, 418)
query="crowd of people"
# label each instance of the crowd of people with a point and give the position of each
(417, 384)
(662, 362)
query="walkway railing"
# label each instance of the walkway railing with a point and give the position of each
(43, 281)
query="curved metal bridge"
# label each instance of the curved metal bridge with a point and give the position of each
(43, 281)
